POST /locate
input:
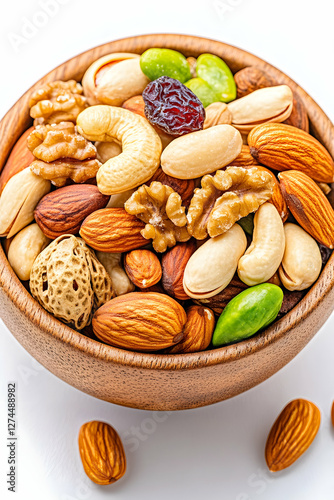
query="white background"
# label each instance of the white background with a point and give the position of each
(214, 452)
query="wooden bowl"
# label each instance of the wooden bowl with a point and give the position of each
(153, 381)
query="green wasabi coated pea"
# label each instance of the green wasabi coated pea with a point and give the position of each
(250, 311)
(203, 91)
(218, 75)
(165, 62)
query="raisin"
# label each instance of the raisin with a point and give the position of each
(172, 107)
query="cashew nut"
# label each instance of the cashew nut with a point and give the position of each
(301, 264)
(118, 200)
(121, 283)
(107, 150)
(141, 146)
(210, 269)
(24, 249)
(263, 257)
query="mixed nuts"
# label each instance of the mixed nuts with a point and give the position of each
(163, 192)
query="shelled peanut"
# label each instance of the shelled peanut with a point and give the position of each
(150, 200)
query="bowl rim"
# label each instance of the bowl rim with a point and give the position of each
(33, 311)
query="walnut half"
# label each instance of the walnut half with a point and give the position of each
(225, 198)
(57, 102)
(61, 153)
(161, 208)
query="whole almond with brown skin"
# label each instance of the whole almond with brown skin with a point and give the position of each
(244, 159)
(135, 104)
(283, 147)
(291, 434)
(250, 79)
(102, 453)
(308, 205)
(184, 187)
(278, 201)
(63, 210)
(140, 321)
(143, 268)
(19, 159)
(173, 264)
(112, 230)
(197, 331)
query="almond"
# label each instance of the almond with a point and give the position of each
(113, 230)
(197, 331)
(173, 265)
(283, 147)
(63, 210)
(135, 104)
(291, 434)
(185, 188)
(308, 205)
(19, 159)
(143, 268)
(244, 159)
(278, 201)
(102, 453)
(140, 321)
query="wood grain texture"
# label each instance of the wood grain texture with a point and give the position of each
(147, 381)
